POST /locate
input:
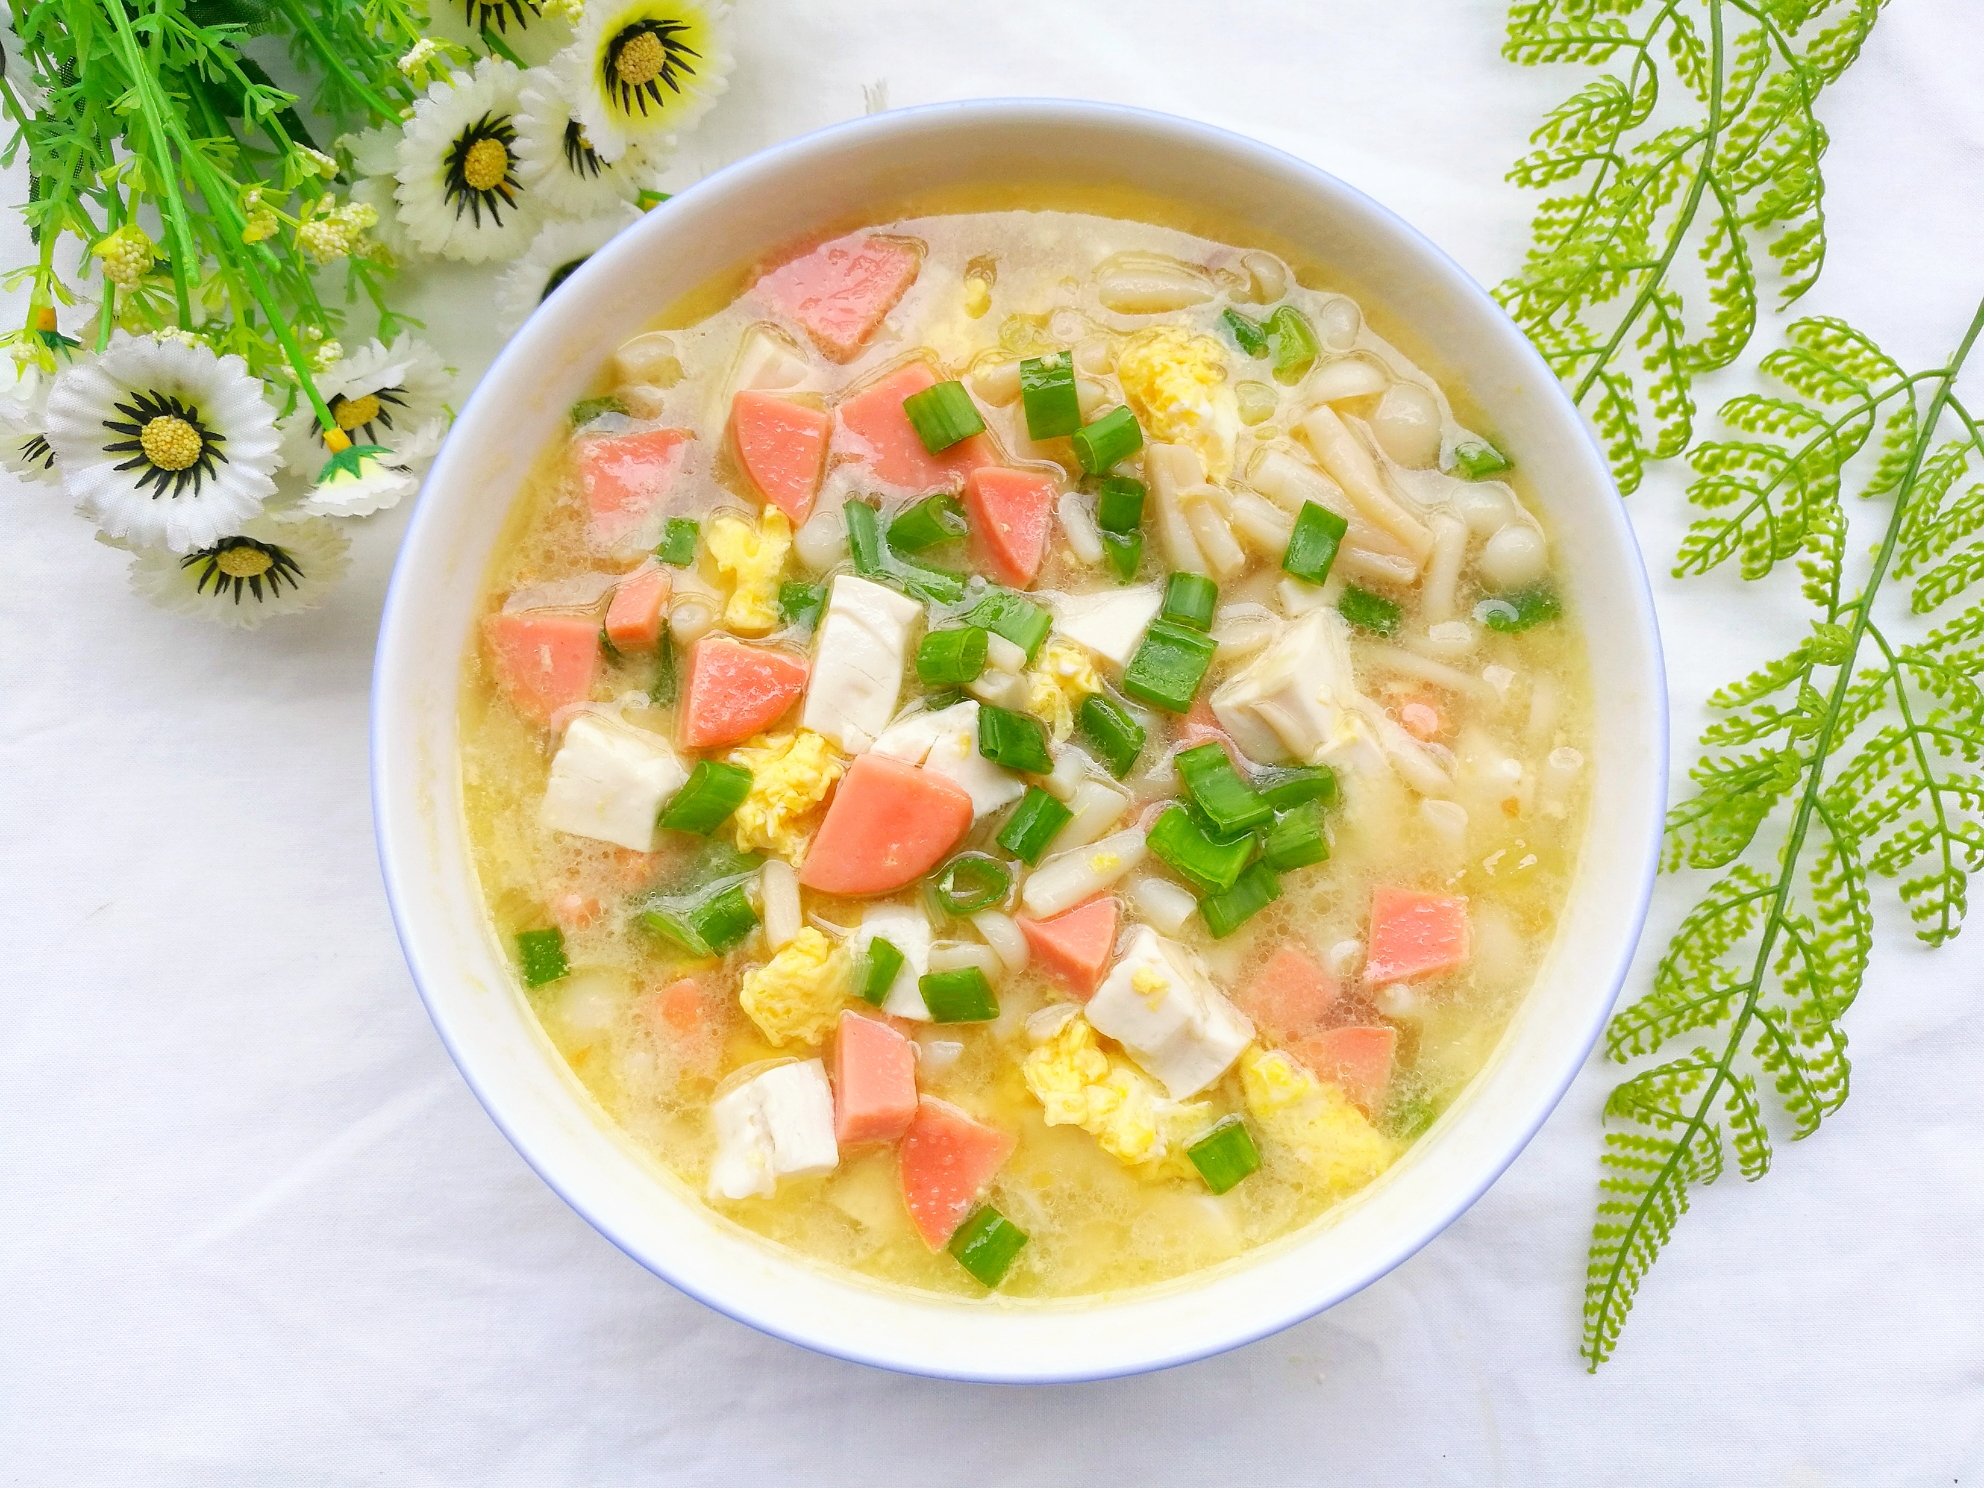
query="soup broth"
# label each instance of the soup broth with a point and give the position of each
(1023, 750)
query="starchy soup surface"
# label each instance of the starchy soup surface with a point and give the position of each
(1023, 751)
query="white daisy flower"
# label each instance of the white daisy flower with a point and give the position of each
(379, 395)
(358, 482)
(265, 569)
(24, 431)
(20, 74)
(521, 25)
(458, 193)
(640, 70)
(557, 163)
(162, 442)
(560, 247)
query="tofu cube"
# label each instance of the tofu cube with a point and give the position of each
(1159, 1004)
(858, 663)
(1110, 623)
(779, 1124)
(608, 781)
(946, 743)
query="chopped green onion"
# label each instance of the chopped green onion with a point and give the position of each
(1018, 741)
(943, 415)
(587, 409)
(876, 970)
(543, 955)
(1406, 1116)
(937, 702)
(986, 1245)
(1296, 839)
(1111, 732)
(606, 644)
(1513, 612)
(1125, 552)
(1168, 666)
(1368, 611)
(864, 539)
(1182, 845)
(1111, 439)
(714, 790)
(1216, 788)
(1283, 786)
(1119, 503)
(960, 996)
(1047, 389)
(1252, 892)
(662, 693)
(707, 925)
(1478, 459)
(1015, 617)
(678, 543)
(1225, 1155)
(800, 604)
(1035, 823)
(927, 582)
(951, 658)
(1312, 547)
(1246, 332)
(933, 520)
(1190, 599)
(970, 882)
(1291, 345)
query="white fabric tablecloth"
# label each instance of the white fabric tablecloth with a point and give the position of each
(254, 1229)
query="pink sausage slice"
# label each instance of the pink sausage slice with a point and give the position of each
(781, 444)
(1011, 511)
(841, 290)
(1415, 935)
(874, 1081)
(1358, 1059)
(888, 824)
(877, 433)
(1074, 945)
(947, 1159)
(1291, 995)
(626, 475)
(633, 619)
(544, 660)
(736, 690)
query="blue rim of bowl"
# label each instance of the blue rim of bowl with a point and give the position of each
(1641, 596)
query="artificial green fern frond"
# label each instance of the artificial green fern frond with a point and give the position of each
(1860, 757)
(1607, 289)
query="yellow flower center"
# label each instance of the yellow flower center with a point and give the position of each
(244, 562)
(486, 165)
(170, 443)
(641, 60)
(354, 412)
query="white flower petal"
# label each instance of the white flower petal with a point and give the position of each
(698, 62)
(558, 248)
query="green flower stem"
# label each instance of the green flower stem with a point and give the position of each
(158, 131)
(332, 60)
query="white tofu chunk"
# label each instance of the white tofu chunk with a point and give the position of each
(1159, 1004)
(1109, 623)
(857, 665)
(608, 781)
(905, 927)
(1298, 700)
(946, 743)
(779, 1124)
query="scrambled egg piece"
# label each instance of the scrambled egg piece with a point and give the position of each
(790, 776)
(1126, 1111)
(1060, 679)
(752, 559)
(1176, 385)
(796, 996)
(1315, 1121)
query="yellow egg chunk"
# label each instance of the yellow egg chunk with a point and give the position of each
(796, 996)
(1176, 385)
(1059, 681)
(751, 559)
(790, 777)
(1130, 1117)
(1314, 1121)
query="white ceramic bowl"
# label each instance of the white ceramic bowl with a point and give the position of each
(464, 975)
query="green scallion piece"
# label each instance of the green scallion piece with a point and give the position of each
(1183, 846)
(1368, 611)
(864, 539)
(1478, 459)
(970, 882)
(986, 1245)
(1119, 503)
(587, 409)
(943, 416)
(800, 604)
(606, 644)
(960, 996)
(678, 542)
(1216, 788)
(1190, 599)
(951, 658)
(714, 790)
(1225, 1155)
(1125, 552)
(662, 693)
(1252, 892)
(927, 582)
(723, 920)
(1406, 1116)
(937, 702)
(1017, 741)
(933, 520)
(709, 912)
(1015, 617)
(1296, 840)
(1510, 613)
(543, 955)
(1246, 332)
(876, 970)
(1285, 786)
(1035, 822)
(1312, 547)
(1047, 389)
(1111, 439)
(1111, 732)
(1168, 666)
(1292, 345)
